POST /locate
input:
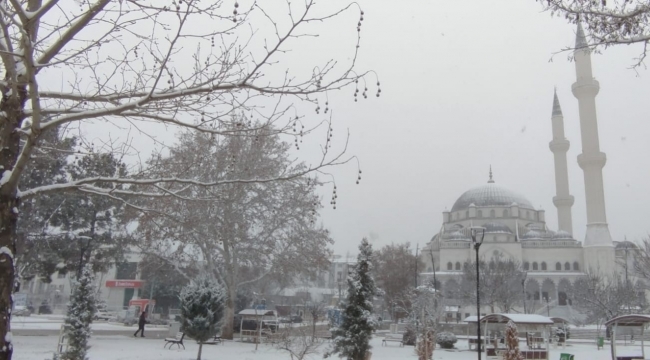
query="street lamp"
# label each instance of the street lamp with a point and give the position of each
(523, 289)
(478, 233)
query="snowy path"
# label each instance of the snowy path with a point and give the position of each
(129, 348)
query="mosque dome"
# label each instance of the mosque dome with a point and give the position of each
(562, 235)
(490, 195)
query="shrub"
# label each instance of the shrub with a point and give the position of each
(446, 340)
(409, 337)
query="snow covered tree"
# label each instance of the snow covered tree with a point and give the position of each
(240, 233)
(80, 315)
(426, 309)
(159, 66)
(201, 309)
(512, 343)
(608, 22)
(395, 265)
(352, 338)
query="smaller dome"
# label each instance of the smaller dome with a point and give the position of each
(456, 235)
(497, 227)
(562, 235)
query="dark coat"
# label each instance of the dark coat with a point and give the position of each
(142, 320)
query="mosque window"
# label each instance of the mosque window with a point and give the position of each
(493, 213)
(543, 265)
(567, 266)
(535, 266)
(479, 213)
(457, 265)
(506, 213)
(558, 266)
(467, 214)
(450, 266)
(576, 266)
(526, 265)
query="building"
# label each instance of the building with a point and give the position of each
(514, 228)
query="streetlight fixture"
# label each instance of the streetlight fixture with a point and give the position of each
(478, 233)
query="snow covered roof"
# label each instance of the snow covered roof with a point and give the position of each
(257, 312)
(560, 320)
(530, 319)
(490, 195)
(629, 320)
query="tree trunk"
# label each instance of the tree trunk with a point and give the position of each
(229, 313)
(11, 119)
(200, 349)
(7, 271)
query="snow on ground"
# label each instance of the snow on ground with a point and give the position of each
(129, 348)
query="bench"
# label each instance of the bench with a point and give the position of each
(388, 338)
(534, 354)
(216, 340)
(178, 341)
(473, 342)
(326, 335)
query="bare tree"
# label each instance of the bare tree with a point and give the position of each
(609, 22)
(299, 344)
(142, 63)
(396, 265)
(500, 280)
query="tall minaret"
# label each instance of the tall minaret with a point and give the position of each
(598, 244)
(559, 146)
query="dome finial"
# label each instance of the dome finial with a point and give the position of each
(491, 181)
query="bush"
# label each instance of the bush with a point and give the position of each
(446, 340)
(409, 337)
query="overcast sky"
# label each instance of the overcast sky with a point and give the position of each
(469, 84)
(466, 85)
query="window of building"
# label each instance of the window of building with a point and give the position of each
(543, 265)
(576, 266)
(535, 266)
(506, 213)
(493, 214)
(450, 266)
(567, 266)
(526, 265)
(457, 265)
(479, 213)
(558, 266)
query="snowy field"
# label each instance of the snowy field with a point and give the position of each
(129, 348)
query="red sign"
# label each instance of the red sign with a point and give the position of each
(132, 284)
(142, 303)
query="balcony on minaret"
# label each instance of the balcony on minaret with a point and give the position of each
(559, 145)
(585, 88)
(591, 160)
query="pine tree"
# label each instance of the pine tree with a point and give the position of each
(351, 339)
(512, 343)
(202, 304)
(80, 315)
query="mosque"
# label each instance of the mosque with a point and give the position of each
(514, 228)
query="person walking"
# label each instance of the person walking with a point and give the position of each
(141, 322)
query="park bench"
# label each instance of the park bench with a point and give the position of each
(327, 335)
(534, 354)
(214, 341)
(473, 342)
(391, 338)
(178, 340)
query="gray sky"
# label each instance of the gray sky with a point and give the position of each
(466, 85)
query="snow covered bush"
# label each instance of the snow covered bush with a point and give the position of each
(202, 303)
(512, 343)
(446, 339)
(80, 315)
(409, 337)
(351, 339)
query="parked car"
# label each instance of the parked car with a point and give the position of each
(296, 319)
(103, 315)
(21, 311)
(284, 320)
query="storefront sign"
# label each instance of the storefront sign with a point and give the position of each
(132, 284)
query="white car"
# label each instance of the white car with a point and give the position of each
(21, 311)
(103, 315)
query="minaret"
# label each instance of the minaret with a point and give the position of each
(592, 160)
(559, 146)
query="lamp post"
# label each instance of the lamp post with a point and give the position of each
(478, 233)
(548, 310)
(523, 290)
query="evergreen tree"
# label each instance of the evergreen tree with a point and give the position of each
(80, 315)
(202, 304)
(351, 339)
(512, 343)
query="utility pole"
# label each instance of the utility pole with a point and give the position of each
(417, 248)
(433, 266)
